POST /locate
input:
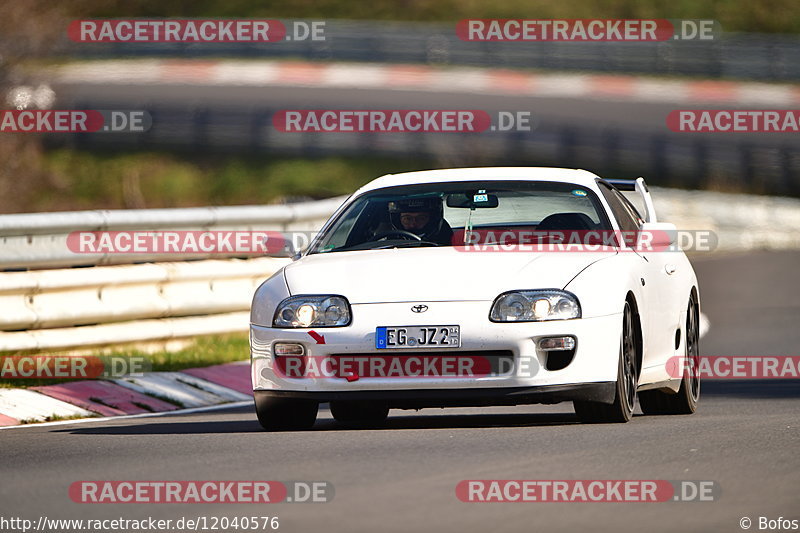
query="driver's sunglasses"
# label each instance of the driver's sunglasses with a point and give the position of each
(420, 218)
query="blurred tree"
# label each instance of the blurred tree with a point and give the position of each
(27, 31)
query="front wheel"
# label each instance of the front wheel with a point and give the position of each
(627, 380)
(684, 402)
(278, 414)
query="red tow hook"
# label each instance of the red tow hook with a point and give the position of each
(351, 377)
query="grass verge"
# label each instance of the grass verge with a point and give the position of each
(81, 179)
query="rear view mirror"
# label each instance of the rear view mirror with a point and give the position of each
(476, 200)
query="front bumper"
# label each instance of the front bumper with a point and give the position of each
(594, 362)
(603, 392)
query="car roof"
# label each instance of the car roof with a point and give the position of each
(567, 175)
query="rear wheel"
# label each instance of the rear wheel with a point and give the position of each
(684, 402)
(277, 414)
(627, 381)
(359, 414)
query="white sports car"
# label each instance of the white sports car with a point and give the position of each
(480, 286)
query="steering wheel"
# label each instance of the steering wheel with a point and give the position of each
(406, 235)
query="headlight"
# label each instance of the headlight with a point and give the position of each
(535, 306)
(323, 311)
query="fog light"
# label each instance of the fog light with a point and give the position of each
(549, 344)
(287, 348)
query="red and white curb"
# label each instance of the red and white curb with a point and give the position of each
(126, 417)
(260, 73)
(181, 389)
(155, 392)
(22, 405)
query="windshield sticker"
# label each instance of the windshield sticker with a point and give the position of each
(579, 192)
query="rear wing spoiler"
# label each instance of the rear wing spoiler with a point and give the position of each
(638, 185)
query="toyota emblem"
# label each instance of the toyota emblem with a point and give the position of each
(419, 308)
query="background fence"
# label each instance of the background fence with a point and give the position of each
(734, 55)
(756, 163)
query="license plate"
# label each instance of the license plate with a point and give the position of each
(418, 337)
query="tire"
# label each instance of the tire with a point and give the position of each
(684, 402)
(276, 414)
(621, 410)
(359, 414)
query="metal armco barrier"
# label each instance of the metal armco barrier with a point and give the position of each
(38, 240)
(83, 296)
(117, 302)
(111, 305)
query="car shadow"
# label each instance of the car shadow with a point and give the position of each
(401, 421)
(398, 420)
(163, 425)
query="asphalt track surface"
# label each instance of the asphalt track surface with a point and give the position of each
(403, 477)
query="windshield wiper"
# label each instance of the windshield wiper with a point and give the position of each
(408, 244)
(383, 245)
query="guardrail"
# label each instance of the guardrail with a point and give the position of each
(114, 302)
(39, 240)
(89, 308)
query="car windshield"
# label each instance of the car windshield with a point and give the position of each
(438, 214)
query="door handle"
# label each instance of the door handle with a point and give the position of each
(669, 269)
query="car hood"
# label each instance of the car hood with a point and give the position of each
(433, 274)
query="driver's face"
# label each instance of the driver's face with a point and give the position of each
(414, 220)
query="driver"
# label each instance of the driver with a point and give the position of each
(422, 217)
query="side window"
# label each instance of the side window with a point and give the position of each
(340, 235)
(626, 217)
(630, 208)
